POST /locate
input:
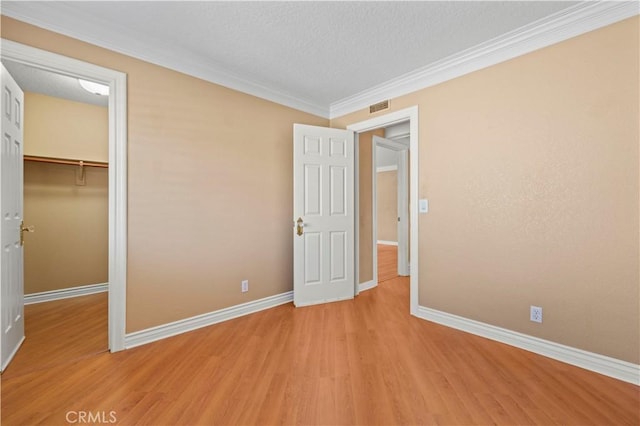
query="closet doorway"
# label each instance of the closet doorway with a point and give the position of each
(117, 82)
(117, 170)
(66, 206)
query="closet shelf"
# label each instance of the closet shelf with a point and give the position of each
(66, 161)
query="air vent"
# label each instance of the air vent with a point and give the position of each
(378, 107)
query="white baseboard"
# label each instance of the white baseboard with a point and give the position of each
(612, 367)
(367, 286)
(65, 293)
(388, 243)
(153, 334)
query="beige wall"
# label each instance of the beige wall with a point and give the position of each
(210, 187)
(531, 169)
(70, 245)
(51, 137)
(387, 205)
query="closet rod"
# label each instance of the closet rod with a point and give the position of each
(65, 161)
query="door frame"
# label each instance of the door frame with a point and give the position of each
(402, 197)
(117, 82)
(410, 114)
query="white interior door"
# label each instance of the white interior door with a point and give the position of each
(323, 211)
(11, 259)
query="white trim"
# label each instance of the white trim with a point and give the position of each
(374, 210)
(568, 23)
(397, 132)
(65, 293)
(618, 369)
(400, 116)
(189, 324)
(383, 169)
(65, 20)
(117, 82)
(388, 243)
(403, 213)
(368, 285)
(356, 213)
(392, 144)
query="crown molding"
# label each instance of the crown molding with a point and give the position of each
(568, 23)
(544, 32)
(66, 20)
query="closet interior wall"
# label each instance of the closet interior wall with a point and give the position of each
(67, 204)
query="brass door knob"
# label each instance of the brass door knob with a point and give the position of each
(300, 226)
(24, 229)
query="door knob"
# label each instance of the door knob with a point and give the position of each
(24, 229)
(299, 226)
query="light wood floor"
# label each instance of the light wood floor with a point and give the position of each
(387, 262)
(61, 331)
(364, 361)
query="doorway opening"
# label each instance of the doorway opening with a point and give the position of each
(390, 155)
(65, 206)
(117, 177)
(395, 120)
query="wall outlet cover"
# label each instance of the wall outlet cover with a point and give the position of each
(536, 314)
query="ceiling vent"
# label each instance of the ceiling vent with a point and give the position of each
(378, 107)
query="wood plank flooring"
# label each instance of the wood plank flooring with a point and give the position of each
(387, 262)
(61, 331)
(364, 361)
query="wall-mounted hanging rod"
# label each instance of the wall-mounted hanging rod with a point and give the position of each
(66, 161)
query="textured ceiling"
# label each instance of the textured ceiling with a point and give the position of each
(48, 83)
(316, 52)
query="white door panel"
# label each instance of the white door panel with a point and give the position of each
(323, 200)
(11, 203)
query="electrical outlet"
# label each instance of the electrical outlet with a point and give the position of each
(536, 314)
(244, 286)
